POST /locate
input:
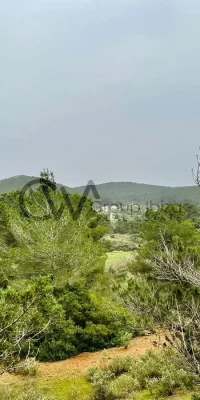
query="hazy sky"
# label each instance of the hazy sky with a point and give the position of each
(107, 90)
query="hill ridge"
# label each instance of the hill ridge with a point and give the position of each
(119, 192)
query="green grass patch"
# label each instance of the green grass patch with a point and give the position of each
(119, 259)
(76, 388)
(118, 255)
(146, 395)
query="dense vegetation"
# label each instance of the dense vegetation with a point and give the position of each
(125, 378)
(58, 300)
(52, 281)
(161, 286)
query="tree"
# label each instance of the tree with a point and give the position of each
(26, 314)
(176, 231)
(44, 245)
(53, 243)
(169, 293)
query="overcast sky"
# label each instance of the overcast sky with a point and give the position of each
(107, 90)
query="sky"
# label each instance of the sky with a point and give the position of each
(102, 90)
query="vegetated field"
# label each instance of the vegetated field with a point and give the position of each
(85, 315)
(121, 242)
(119, 259)
(65, 380)
(115, 256)
(119, 255)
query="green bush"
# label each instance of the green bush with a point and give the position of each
(174, 379)
(100, 378)
(28, 367)
(56, 350)
(60, 343)
(159, 372)
(89, 322)
(120, 365)
(123, 386)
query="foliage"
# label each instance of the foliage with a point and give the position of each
(168, 223)
(165, 282)
(130, 227)
(91, 322)
(195, 396)
(25, 315)
(49, 245)
(162, 373)
(120, 242)
(52, 283)
(29, 367)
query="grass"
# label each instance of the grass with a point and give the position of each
(118, 259)
(145, 395)
(118, 255)
(79, 389)
(75, 388)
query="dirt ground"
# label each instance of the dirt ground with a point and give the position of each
(79, 365)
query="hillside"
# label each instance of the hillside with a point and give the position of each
(18, 182)
(128, 192)
(120, 192)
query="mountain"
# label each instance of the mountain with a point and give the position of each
(140, 193)
(120, 192)
(20, 181)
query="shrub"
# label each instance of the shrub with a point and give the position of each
(100, 378)
(163, 371)
(90, 322)
(123, 386)
(160, 372)
(126, 339)
(174, 379)
(27, 368)
(120, 365)
(56, 349)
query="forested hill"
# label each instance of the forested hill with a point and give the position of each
(124, 192)
(128, 192)
(18, 182)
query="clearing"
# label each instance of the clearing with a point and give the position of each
(65, 379)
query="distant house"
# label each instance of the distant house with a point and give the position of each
(114, 207)
(105, 208)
